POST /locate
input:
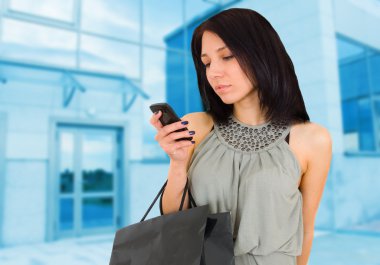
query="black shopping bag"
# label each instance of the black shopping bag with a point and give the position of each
(188, 237)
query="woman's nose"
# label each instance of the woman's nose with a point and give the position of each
(216, 70)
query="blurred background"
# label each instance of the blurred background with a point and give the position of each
(78, 158)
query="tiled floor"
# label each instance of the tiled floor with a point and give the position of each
(82, 251)
(328, 249)
(346, 249)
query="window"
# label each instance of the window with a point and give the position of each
(110, 56)
(37, 43)
(114, 18)
(62, 10)
(359, 73)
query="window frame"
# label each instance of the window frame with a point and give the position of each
(372, 97)
(16, 14)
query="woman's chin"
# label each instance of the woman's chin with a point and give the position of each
(227, 100)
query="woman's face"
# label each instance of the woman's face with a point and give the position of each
(223, 71)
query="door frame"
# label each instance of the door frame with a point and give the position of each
(123, 178)
(3, 145)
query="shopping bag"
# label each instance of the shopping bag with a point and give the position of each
(187, 237)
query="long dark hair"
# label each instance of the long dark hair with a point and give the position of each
(261, 55)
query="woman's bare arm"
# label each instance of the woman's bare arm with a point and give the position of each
(319, 152)
(200, 123)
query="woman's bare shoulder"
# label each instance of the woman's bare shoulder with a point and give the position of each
(312, 132)
(311, 139)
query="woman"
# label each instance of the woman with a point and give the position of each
(255, 153)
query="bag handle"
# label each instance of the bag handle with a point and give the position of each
(161, 192)
(192, 202)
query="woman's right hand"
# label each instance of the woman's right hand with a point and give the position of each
(177, 150)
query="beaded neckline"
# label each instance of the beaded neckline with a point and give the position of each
(251, 138)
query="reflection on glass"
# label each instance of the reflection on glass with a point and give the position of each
(112, 17)
(377, 117)
(97, 180)
(67, 181)
(97, 212)
(175, 84)
(26, 41)
(194, 98)
(359, 68)
(350, 116)
(354, 79)
(97, 153)
(163, 24)
(154, 83)
(374, 62)
(109, 56)
(66, 164)
(196, 12)
(366, 134)
(196, 8)
(66, 215)
(155, 74)
(55, 9)
(347, 49)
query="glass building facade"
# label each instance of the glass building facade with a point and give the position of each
(77, 79)
(77, 151)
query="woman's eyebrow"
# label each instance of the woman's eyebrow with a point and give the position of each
(218, 50)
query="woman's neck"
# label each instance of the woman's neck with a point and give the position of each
(250, 114)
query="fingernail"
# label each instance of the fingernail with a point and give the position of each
(185, 122)
(193, 142)
(191, 132)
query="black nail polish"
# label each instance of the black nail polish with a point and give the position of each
(191, 132)
(185, 122)
(193, 142)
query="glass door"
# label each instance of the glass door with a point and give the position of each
(88, 171)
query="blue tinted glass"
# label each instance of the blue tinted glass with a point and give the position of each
(348, 49)
(97, 180)
(66, 165)
(110, 56)
(67, 181)
(350, 116)
(198, 8)
(354, 79)
(112, 18)
(377, 117)
(97, 162)
(154, 82)
(53, 9)
(175, 81)
(366, 133)
(35, 43)
(374, 62)
(195, 101)
(196, 11)
(163, 23)
(97, 212)
(154, 77)
(66, 215)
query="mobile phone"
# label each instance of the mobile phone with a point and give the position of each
(168, 116)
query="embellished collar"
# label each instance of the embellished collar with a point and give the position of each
(251, 138)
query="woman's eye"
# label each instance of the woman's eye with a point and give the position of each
(224, 58)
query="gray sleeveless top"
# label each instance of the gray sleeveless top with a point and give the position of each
(251, 172)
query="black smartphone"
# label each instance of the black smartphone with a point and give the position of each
(168, 116)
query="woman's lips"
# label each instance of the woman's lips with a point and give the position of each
(222, 88)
